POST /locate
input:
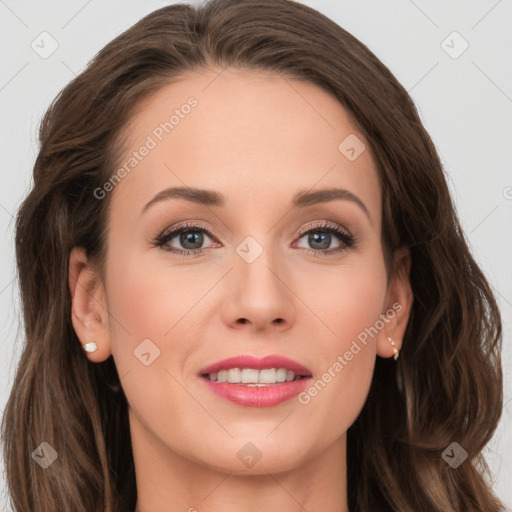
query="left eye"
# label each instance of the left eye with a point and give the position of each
(319, 239)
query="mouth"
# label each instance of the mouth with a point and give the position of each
(251, 371)
(252, 382)
(253, 377)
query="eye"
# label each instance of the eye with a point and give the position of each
(320, 237)
(190, 236)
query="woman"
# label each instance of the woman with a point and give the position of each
(244, 283)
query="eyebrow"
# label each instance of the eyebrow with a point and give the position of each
(300, 200)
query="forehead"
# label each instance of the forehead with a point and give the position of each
(251, 134)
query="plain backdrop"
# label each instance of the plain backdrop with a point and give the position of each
(461, 84)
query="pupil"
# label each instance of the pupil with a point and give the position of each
(191, 237)
(324, 238)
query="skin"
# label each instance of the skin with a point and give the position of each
(258, 139)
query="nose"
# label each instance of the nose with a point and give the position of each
(258, 296)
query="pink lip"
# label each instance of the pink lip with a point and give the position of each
(272, 361)
(265, 396)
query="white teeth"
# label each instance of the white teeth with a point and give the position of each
(248, 376)
(251, 376)
(281, 375)
(234, 375)
(267, 376)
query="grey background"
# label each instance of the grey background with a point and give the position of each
(465, 103)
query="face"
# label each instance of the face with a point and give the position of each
(270, 267)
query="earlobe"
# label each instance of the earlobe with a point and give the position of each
(89, 314)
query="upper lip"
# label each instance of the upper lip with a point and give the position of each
(271, 361)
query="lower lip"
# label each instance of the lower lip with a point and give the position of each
(254, 396)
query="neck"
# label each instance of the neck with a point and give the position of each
(164, 477)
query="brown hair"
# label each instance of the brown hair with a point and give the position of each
(450, 359)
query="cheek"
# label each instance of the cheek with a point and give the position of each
(146, 302)
(151, 341)
(144, 317)
(350, 307)
(344, 301)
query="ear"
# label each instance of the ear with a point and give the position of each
(89, 313)
(398, 303)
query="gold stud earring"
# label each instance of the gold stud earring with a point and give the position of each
(90, 347)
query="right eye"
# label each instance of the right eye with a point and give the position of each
(190, 236)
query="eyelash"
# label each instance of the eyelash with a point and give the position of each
(344, 236)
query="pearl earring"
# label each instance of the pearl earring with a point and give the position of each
(397, 352)
(90, 347)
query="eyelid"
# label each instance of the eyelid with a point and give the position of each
(322, 224)
(187, 224)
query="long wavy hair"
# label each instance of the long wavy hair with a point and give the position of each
(450, 378)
